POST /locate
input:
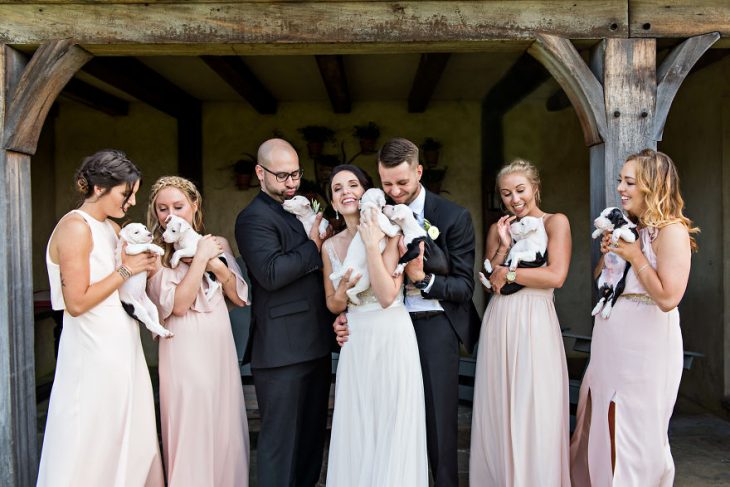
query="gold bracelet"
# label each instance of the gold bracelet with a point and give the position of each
(642, 268)
(503, 254)
(124, 272)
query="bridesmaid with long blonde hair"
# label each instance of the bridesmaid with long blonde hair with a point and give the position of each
(631, 384)
(202, 411)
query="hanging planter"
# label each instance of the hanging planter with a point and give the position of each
(243, 170)
(316, 136)
(368, 135)
(433, 178)
(430, 150)
(324, 165)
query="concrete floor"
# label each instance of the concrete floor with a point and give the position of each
(700, 443)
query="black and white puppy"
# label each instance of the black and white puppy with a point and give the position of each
(132, 294)
(529, 250)
(612, 281)
(413, 233)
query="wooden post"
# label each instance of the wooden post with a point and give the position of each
(26, 96)
(18, 454)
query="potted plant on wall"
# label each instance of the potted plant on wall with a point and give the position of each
(433, 178)
(243, 170)
(430, 149)
(323, 167)
(368, 135)
(316, 136)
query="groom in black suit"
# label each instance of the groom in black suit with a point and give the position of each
(440, 305)
(291, 336)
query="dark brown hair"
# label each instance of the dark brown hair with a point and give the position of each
(365, 180)
(396, 151)
(106, 169)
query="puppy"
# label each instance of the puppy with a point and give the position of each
(413, 233)
(300, 207)
(185, 240)
(612, 281)
(529, 250)
(356, 258)
(132, 293)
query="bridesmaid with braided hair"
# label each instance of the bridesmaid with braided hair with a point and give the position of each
(101, 419)
(202, 411)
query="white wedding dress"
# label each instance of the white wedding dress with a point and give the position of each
(379, 424)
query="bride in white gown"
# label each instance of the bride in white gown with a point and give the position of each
(379, 425)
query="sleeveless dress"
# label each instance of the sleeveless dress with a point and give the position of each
(101, 420)
(636, 362)
(379, 422)
(520, 417)
(202, 412)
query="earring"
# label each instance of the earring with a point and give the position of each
(337, 215)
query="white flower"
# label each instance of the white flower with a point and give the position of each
(432, 230)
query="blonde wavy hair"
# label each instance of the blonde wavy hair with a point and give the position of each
(525, 168)
(194, 198)
(658, 182)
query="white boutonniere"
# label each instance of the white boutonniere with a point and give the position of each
(432, 230)
(315, 206)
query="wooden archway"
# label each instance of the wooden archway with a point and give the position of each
(26, 95)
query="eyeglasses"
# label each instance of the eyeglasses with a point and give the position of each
(283, 176)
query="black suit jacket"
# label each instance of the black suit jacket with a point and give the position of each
(455, 290)
(290, 322)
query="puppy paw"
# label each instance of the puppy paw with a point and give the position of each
(399, 270)
(488, 266)
(606, 312)
(485, 282)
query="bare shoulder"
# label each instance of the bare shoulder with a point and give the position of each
(556, 221)
(116, 226)
(72, 232)
(674, 232)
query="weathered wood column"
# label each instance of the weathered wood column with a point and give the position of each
(26, 95)
(622, 103)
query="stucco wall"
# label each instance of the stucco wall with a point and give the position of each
(553, 141)
(229, 129)
(695, 134)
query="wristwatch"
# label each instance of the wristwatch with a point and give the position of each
(511, 276)
(423, 283)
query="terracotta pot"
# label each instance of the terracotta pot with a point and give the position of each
(367, 145)
(243, 181)
(315, 148)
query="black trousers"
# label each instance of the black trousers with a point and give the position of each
(293, 403)
(438, 346)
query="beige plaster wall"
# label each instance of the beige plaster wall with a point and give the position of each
(553, 141)
(231, 129)
(696, 137)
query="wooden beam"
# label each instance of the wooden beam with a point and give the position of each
(630, 94)
(92, 97)
(430, 68)
(142, 82)
(678, 18)
(672, 72)
(18, 421)
(332, 69)
(51, 67)
(234, 71)
(564, 62)
(102, 27)
(522, 78)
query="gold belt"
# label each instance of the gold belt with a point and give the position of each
(638, 298)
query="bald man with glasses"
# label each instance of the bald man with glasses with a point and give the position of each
(291, 335)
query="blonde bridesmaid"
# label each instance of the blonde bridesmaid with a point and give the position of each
(520, 418)
(631, 384)
(203, 415)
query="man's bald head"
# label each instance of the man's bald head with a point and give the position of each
(276, 156)
(275, 149)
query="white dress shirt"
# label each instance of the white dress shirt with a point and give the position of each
(414, 300)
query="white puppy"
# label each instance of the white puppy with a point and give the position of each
(413, 233)
(529, 244)
(612, 281)
(185, 240)
(300, 207)
(132, 293)
(356, 259)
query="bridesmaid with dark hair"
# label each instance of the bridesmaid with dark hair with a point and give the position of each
(101, 420)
